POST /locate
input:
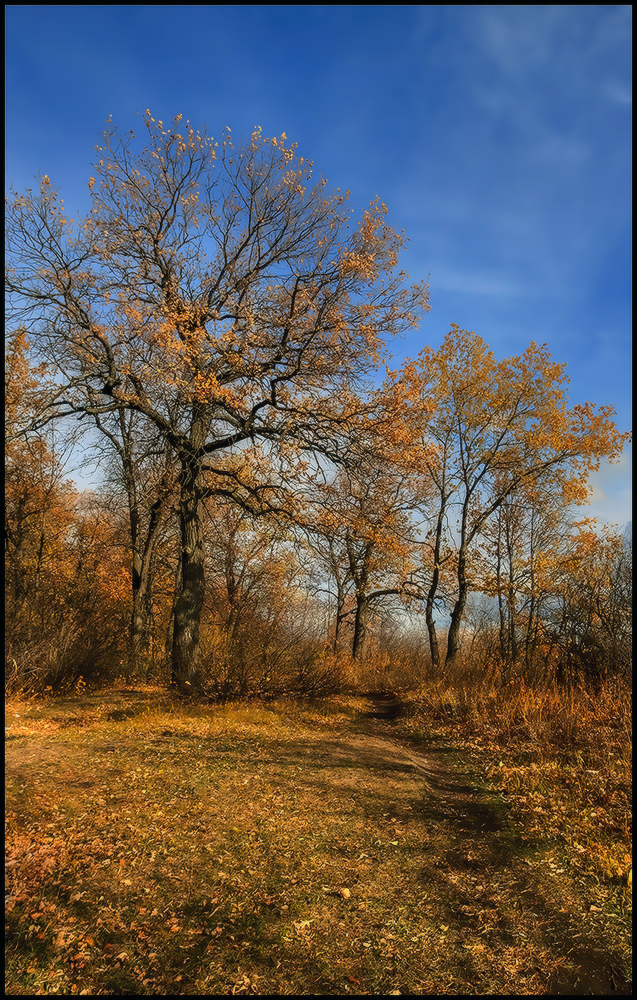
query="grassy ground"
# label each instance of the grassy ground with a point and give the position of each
(314, 849)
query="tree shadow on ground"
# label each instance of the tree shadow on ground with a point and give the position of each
(467, 834)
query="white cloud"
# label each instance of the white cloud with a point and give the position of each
(611, 497)
(472, 282)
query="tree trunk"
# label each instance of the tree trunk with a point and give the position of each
(170, 626)
(529, 640)
(185, 672)
(512, 639)
(453, 641)
(360, 627)
(512, 644)
(141, 623)
(502, 633)
(337, 629)
(429, 618)
(340, 616)
(359, 567)
(431, 595)
(434, 649)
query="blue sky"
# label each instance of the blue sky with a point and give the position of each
(497, 135)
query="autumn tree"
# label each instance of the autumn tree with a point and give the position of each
(219, 292)
(131, 456)
(499, 428)
(588, 619)
(254, 584)
(39, 498)
(378, 540)
(525, 547)
(66, 578)
(365, 518)
(513, 544)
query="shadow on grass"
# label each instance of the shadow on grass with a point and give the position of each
(467, 859)
(466, 830)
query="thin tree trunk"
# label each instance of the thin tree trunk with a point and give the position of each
(337, 628)
(431, 595)
(453, 641)
(141, 625)
(359, 568)
(512, 642)
(170, 628)
(340, 583)
(501, 607)
(142, 620)
(434, 648)
(529, 642)
(340, 604)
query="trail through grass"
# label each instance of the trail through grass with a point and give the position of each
(315, 849)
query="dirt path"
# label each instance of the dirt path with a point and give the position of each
(480, 838)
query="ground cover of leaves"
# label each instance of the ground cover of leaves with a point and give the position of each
(156, 847)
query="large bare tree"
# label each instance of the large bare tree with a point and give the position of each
(217, 290)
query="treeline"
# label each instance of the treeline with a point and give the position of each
(267, 518)
(346, 585)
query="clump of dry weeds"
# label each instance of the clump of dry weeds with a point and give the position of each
(560, 757)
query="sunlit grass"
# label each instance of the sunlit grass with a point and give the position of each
(156, 847)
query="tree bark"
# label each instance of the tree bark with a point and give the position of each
(431, 595)
(142, 620)
(434, 648)
(141, 624)
(360, 627)
(453, 641)
(340, 616)
(185, 666)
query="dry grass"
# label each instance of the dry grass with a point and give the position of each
(289, 848)
(561, 760)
